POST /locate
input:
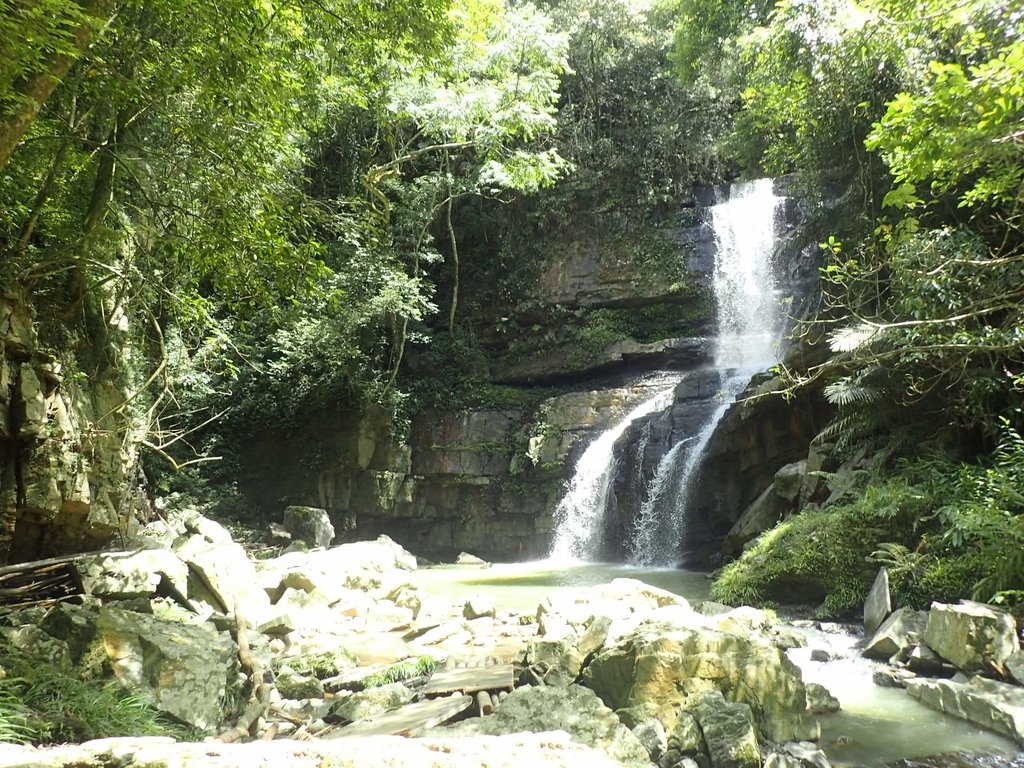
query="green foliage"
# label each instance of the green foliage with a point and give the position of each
(42, 705)
(405, 670)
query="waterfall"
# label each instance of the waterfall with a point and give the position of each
(580, 513)
(749, 321)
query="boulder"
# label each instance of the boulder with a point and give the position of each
(763, 513)
(665, 668)
(652, 737)
(790, 480)
(185, 670)
(34, 642)
(878, 605)
(575, 710)
(293, 685)
(372, 701)
(73, 624)
(550, 750)
(820, 700)
(309, 524)
(974, 637)
(224, 577)
(1015, 667)
(806, 754)
(123, 576)
(729, 732)
(901, 630)
(558, 656)
(465, 558)
(685, 740)
(988, 703)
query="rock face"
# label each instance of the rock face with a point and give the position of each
(575, 710)
(64, 485)
(184, 670)
(991, 704)
(974, 637)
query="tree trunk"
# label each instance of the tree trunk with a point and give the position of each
(37, 88)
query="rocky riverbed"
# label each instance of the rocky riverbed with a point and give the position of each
(336, 656)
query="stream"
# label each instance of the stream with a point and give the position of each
(875, 726)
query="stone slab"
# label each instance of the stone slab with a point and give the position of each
(408, 720)
(472, 679)
(878, 605)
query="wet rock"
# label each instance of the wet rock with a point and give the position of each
(187, 671)
(309, 524)
(807, 754)
(878, 605)
(972, 636)
(988, 703)
(892, 677)
(729, 732)
(820, 700)
(901, 630)
(575, 710)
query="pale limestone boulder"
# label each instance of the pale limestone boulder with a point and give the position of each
(294, 685)
(224, 577)
(576, 710)
(903, 629)
(667, 668)
(35, 642)
(729, 732)
(988, 703)
(121, 576)
(1015, 667)
(974, 637)
(185, 670)
(820, 700)
(309, 524)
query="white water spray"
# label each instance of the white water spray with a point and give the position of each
(580, 513)
(749, 321)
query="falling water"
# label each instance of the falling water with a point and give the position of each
(748, 324)
(580, 513)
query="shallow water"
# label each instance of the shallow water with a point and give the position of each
(875, 726)
(522, 586)
(881, 725)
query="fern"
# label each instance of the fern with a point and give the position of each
(850, 391)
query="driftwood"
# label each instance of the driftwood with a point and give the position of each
(38, 581)
(259, 699)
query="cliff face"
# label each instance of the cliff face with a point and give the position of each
(488, 479)
(64, 480)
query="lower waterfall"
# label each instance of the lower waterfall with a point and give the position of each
(748, 322)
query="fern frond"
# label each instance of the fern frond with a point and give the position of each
(851, 339)
(849, 391)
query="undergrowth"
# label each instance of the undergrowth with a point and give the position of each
(41, 704)
(405, 670)
(945, 530)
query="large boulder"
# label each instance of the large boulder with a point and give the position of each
(576, 710)
(988, 703)
(665, 668)
(185, 670)
(372, 701)
(223, 577)
(309, 524)
(121, 576)
(903, 629)
(974, 637)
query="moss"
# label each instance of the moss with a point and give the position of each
(819, 557)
